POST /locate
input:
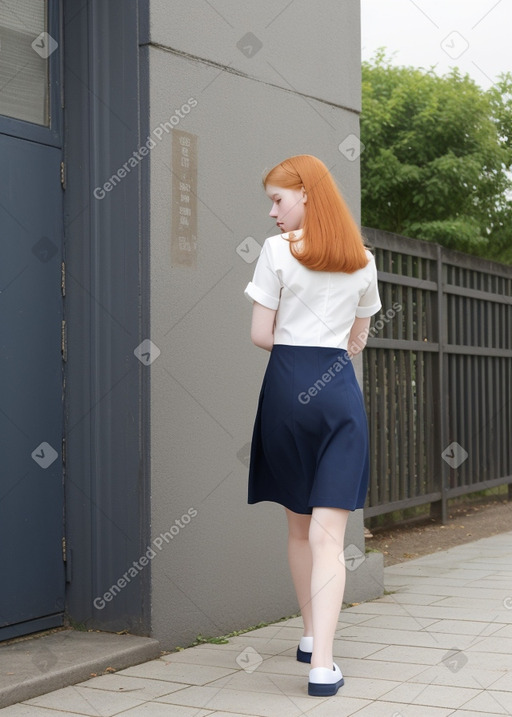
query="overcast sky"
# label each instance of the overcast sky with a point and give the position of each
(474, 35)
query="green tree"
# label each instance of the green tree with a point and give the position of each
(438, 157)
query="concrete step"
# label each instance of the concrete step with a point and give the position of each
(41, 663)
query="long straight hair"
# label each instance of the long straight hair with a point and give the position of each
(331, 240)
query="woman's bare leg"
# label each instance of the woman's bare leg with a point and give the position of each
(326, 538)
(299, 557)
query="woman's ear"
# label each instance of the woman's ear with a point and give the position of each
(304, 196)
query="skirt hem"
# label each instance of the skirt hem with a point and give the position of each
(301, 512)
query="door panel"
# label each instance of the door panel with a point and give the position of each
(31, 406)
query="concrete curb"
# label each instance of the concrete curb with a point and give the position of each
(43, 663)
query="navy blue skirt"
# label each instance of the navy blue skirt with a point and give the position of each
(310, 438)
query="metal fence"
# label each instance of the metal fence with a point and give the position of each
(437, 376)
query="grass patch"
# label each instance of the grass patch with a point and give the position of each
(224, 639)
(80, 626)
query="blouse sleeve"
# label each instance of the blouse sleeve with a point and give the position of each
(369, 300)
(265, 287)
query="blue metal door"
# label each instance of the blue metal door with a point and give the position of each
(31, 310)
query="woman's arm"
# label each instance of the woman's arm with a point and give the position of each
(262, 327)
(358, 335)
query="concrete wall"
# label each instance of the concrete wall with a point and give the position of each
(291, 87)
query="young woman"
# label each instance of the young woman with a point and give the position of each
(314, 290)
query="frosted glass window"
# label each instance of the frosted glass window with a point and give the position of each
(25, 48)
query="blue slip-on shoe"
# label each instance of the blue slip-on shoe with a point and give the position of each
(305, 649)
(324, 682)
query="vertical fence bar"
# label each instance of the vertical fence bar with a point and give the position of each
(376, 465)
(383, 428)
(421, 436)
(430, 411)
(440, 509)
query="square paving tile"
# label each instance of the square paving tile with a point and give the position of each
(494, 644)
(264, 645)
(416, 655)
(177, 672)
(491, 701)
(339, 706)
(396, 709)
(24, 710)
(464, 713)
(290, 685)
(421, 638)
(433, 695)
(407, 597)
(380, 670)
(503, 683)
(467, 627)
(136, 686)
(156, 709)
(84, 701)
(250, 703)
(404, 622)
(465, 676)
(212, 658)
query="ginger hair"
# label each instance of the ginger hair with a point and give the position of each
(331, 239)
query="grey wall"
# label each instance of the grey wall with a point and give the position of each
(227, 567)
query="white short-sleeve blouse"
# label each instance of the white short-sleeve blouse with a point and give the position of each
(314, 308)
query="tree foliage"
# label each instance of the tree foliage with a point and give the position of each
(438, 157)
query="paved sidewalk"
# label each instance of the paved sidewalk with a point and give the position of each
(440, 645)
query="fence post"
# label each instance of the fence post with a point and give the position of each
(439, 509)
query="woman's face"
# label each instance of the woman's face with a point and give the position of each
(288, 207)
